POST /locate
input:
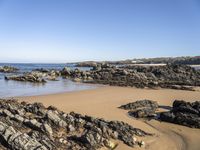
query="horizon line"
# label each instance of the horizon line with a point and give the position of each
(95, 60)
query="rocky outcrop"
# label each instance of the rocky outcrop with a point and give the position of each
(77, 75)
(25, 126)
(141, 109)
(183, 113)
(18, 140)
(87, 64)
(179, 76)
(140, 104)
(51, 74)
(8, 69)
(169, 76)
(43, 70)
(36, 76)
(28, 77)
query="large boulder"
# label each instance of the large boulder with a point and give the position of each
(141, 109)
(34, 78)
(92, 139)
(17, 140)
(143, 113)
(65, 71)
(140, 104)
(53, 117)
(183, 113)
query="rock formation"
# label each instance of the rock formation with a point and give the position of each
(27, 77)
(169, 76)
(36, 76)
(141, 108)
(87, 64)
(25, 126)
(8, 69)
(183, 113)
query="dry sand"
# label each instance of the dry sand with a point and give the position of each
(103, 103)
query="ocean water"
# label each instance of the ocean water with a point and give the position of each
(16, 88)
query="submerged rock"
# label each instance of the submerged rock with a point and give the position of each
(36, 76)
(26, 78)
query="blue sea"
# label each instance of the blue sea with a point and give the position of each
(16, 88)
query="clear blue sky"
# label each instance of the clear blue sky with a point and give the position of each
(77, 30)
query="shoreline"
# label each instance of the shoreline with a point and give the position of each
(103, 102)
(83, 86)
(98, 86)
(53, 81)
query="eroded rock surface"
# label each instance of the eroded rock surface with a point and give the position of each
(27, 77)
(141, 108)
(183, 113)
(180, 77)
(170, 76)
(25, 126)
(8, 69)
(36, 76)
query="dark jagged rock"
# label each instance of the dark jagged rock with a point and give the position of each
(141, 109)
(47, 74)
(170, 76)
(183, 113)
(8, 69)
(140, 104)
(17, 140)
(36, 76)
(42, 70)
(25, 126)
(92, 139)
(143, 113)
(26, 78)
(66, 71)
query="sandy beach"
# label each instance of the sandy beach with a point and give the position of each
(99, 75)
(103, 102)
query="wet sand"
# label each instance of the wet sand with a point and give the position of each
(104, 102)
